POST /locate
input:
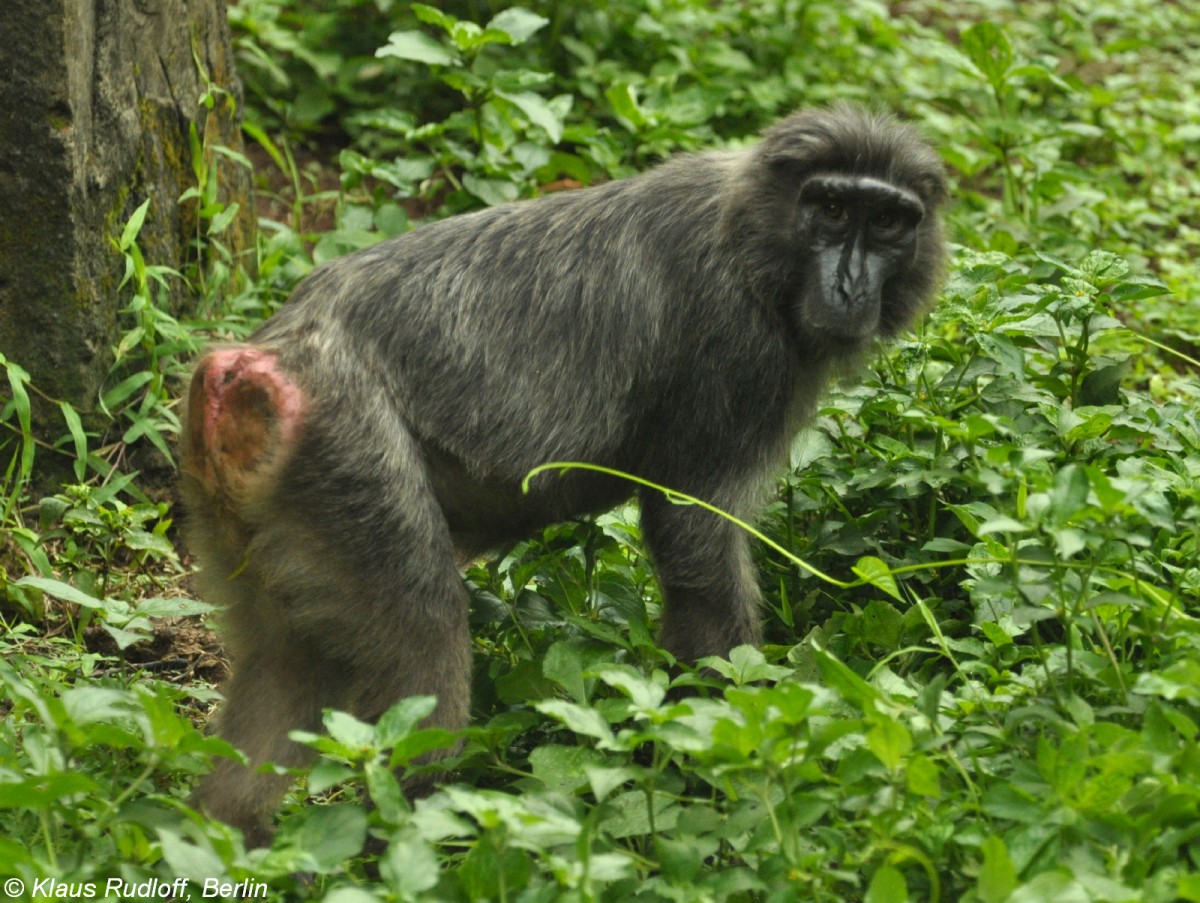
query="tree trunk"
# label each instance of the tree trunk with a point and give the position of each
(97, 98)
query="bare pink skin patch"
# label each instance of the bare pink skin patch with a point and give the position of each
(243, 416)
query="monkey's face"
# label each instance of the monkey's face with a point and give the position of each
(858, 233)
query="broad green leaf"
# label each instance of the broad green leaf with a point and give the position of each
(187, 859)
(922, 776)
(890, 741)
(33, 793)
(537, 111)
(1001, 524)
(431, 15)
(646, 693)
(518, 23)
(348, 730)
(403, 718)
(584, 721)
(875, 571)
(492, 192)
(998, 876)
(322, 838)
(746, 665)
(410, 867)
(887, 886)
(417, 46)
(838, 677)
(624, 102)
(63, 591)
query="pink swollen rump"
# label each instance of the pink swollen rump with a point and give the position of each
(244, 414)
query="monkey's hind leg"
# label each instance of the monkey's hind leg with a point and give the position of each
(319, 532)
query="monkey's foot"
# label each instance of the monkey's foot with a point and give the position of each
(243, 417)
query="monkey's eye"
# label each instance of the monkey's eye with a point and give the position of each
(834, 212)
(888, 224)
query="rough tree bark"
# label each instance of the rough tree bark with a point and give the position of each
(96, 99)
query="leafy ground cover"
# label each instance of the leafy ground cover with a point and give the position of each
(998, 697)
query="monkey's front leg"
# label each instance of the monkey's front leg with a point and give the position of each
(709, 584)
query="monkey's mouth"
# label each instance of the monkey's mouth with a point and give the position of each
(842, 330)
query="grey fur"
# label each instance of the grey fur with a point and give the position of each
(661, 325)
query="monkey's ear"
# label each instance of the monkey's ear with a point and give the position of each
(788, 159)
(932, 189)
(788, 144)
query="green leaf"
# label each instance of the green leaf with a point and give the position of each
(603, 780)
(78, 439)
(199, 168)
(874, 571)
(560, 767)
(348, 730)
(385, 791)
(418, 46)
(989, 49)
(923, 777)
(403, 718)
(1103, 385)
(537, 111)
(1002, 350)
(887, 886)
(63, 591)
(1178, 681)
(118, 394)
(134, 226)
(469, 37)
(187, 859)
(882, 624)
(410, 867)
(1070, 492)
(838, 677)
(221, 221)
(351, 894)
(1001, 524)
(321, 838)
(646, 693)
(890, 741)
(584, 721)
(564, 663)
(998, 875)
(1103, 267)
(518, 24)
(492, 192)
(134, 632)
(623, 99)
(431, 15)
(92, 705)
(1138, 287)
(681, 859)
(746, 665)
(628, 815)
(34, 793)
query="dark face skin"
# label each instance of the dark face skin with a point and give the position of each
(859, 233)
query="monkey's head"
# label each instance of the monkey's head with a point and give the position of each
(848, 214)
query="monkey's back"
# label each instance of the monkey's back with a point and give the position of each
(608, 324)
